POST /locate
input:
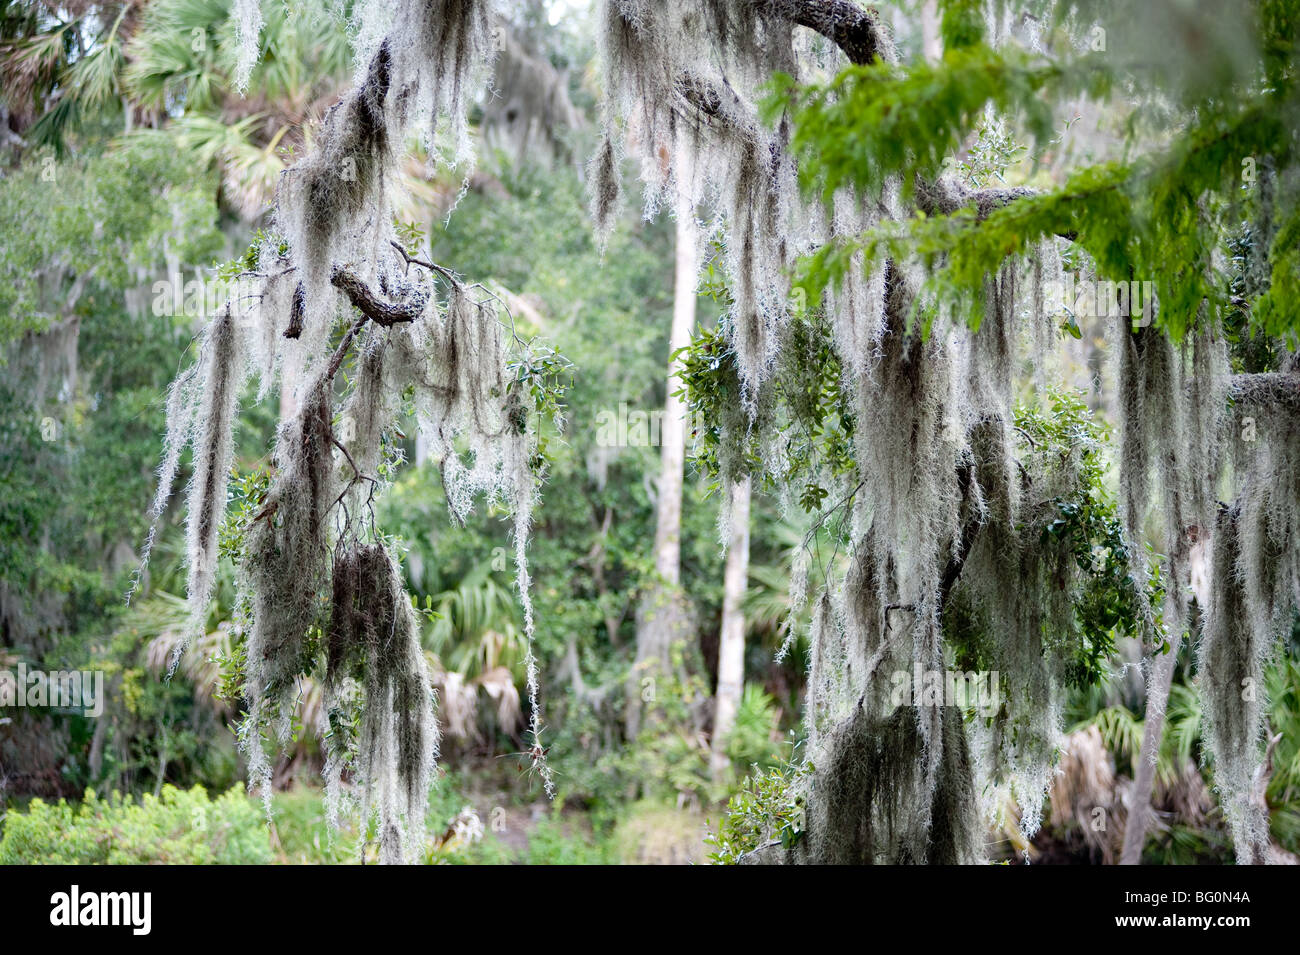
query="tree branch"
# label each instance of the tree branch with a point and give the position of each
(854, 30)
(296, 312)
(1267, 389)
(372, 306)
(945, 196)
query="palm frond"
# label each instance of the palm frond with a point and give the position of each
(54, 125)
(477, 628)
(249, 170)
(95, 78)
(30, 65)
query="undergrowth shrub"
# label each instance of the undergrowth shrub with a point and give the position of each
(178, 827)
(755, 739)
(766, 803)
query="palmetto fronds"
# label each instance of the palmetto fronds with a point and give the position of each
(31, 65)
(172, 68)
(95, 78)
(477, 626)
(249, 171)
(166, 617)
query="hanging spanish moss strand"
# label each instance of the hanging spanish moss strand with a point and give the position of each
(1171, 417)
(333, 203)
(603, 175)
(369, 413)
(265, 316)
(665, 92)
(373, 644)
(445, 49)
(1205, 370)
(1043, 332)
(1255, 587)
(182, 401)
(537, 754)
(1269, 560)
(283, 572)
(857, 308)
(248, 34)
(1150, 447)
(223, 373)
(1231, 664)
(878, 807)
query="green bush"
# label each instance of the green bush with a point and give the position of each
(303, 837)
(768, 806)
(755, 739)
(553, 842)
(180, 827)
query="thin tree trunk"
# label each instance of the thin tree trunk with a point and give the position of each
(96, 759)
(1139, 813)
(731, 645)
(1162, 679)
(661, 614)
(672, 432)
(931, 43)
(597, 562)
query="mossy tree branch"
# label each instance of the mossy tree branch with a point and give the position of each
(853, 29)
(1267, 389)
(372, 306)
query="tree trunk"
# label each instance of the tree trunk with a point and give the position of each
(1162, 678)
(661, 613)
(1139, 812)
(672, 432)
(931, 43)
(731, 645)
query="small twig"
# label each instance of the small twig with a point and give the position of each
(338, 444)
(450, 276)
(442, 270)
(351, 484)
(831, 510)
(266, 275)
(757, 849)
(341, 352)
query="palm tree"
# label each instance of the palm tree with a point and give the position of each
(180, 78)
(166, 67)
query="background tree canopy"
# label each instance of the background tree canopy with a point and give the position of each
(872, 430)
